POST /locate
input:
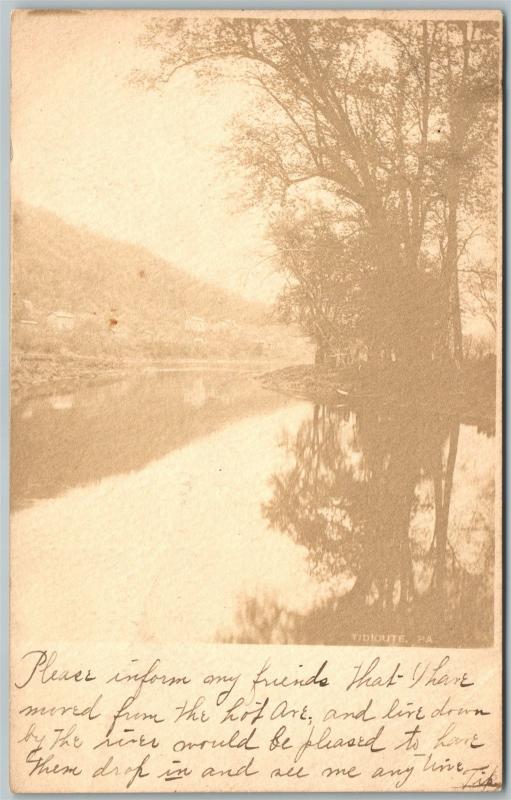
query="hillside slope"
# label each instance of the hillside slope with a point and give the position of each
(59, 266)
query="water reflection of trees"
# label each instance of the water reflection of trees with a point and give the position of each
(369, 496)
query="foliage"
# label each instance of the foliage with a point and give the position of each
(392, 127)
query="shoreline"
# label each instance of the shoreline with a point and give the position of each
(468, 393)
(310, 382)
(37, 374)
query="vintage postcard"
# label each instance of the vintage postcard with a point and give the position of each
(255, 401)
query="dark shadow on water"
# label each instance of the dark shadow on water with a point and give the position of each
(396, 520)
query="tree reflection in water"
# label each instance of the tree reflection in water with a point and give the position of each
(369, 495)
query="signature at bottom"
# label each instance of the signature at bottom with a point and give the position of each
(477, 778)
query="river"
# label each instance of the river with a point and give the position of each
(198, 506)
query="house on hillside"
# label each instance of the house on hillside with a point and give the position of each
(62, 402)
(61, 320)
(195, 325)
(87, 316)
(27, 307)
(23, 311)
(261, 347)
(25, 322)
(224, 326)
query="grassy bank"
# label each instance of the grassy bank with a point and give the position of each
(469, 391)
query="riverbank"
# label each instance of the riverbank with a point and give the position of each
(310, 382)
(470, 391)
(40, 374)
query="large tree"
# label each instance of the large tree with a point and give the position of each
(391, 125)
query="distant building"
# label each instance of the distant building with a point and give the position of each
(23, 312)
(62, 402)
(27, 413)
(224, 325)
(28, 308)
(88, 316)
(196, 325)
(25, 322)
(261, 347)
(61, 320)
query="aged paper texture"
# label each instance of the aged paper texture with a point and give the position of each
(255, 385)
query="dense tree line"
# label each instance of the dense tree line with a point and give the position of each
(374, 144)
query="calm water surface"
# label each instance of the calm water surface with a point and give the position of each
(197, 506)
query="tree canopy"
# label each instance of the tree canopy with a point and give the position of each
(374, 142)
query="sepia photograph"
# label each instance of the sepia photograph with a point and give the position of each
(256, 327)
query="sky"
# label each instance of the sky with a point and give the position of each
(141, 166)
(135, 165)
